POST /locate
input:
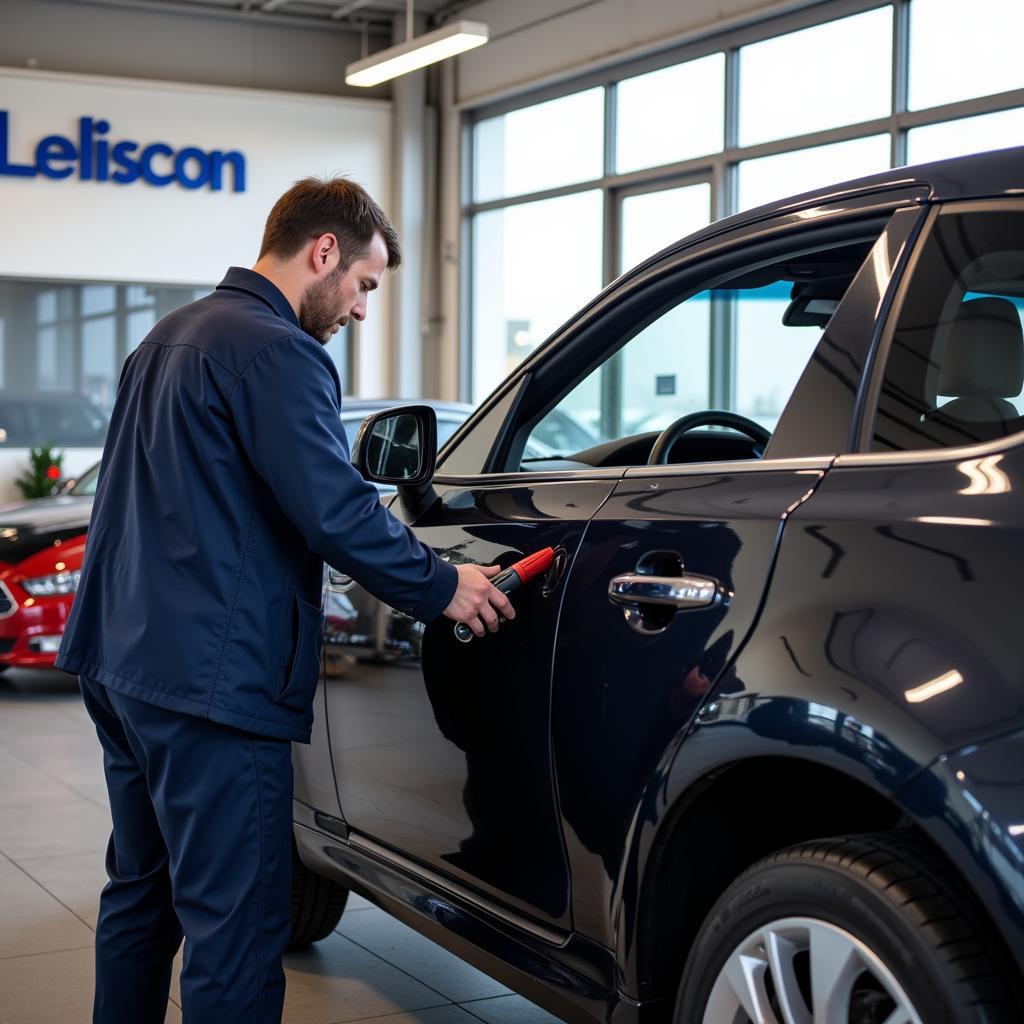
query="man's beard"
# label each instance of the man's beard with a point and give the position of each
(318, 311)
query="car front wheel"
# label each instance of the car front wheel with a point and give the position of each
(855, 930)
(317, 904)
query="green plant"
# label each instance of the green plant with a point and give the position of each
(44, 470)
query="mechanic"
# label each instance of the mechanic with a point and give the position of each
(225, 485)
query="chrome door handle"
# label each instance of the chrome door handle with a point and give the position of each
(633, 588)
(338, 582)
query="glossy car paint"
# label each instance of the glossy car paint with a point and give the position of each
(893, 577)
(853, 580)
(474, 716)
(38, 538)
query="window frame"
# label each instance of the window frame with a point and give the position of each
(550, 373)
(721, 168)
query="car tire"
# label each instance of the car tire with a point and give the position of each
(879, 921)
(317, 904)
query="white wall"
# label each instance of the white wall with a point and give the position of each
(101, 231)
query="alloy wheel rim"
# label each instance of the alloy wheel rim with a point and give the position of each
(801, 970)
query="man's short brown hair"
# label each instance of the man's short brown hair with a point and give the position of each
(314, 207)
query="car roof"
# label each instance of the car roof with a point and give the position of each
(979, 175)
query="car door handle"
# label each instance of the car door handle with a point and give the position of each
(338, 582)
(633, 588)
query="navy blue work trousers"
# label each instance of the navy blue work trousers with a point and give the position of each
(200, 849)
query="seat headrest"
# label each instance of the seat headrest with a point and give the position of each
(984, 353)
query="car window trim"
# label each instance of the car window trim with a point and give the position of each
(810, 463)
(862, 456)
(528, 476)
(960, 453)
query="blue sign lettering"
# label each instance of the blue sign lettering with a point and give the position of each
(124, 162)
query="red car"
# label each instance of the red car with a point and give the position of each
(41, 548)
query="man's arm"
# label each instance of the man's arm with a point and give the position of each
(286, 410)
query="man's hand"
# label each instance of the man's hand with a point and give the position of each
(476, 602)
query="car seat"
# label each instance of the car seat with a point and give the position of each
(982, 366)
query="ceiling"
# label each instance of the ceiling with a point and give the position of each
(350, 15)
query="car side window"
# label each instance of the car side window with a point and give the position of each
(954, 374)
(763, 324)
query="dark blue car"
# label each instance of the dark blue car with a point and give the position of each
(753, 748)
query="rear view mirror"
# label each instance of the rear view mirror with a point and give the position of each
(397, 446)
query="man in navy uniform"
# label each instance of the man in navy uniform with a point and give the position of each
(225, 485)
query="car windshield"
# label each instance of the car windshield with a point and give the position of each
(85, 486)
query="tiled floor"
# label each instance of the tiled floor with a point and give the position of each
(54, 823)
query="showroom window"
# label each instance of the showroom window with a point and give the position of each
(575, 185)
(62, 345)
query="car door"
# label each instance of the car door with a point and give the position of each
(443, 751)
(440, 747)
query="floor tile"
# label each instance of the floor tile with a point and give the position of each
(336, 981)
(52, 988)
(30, 994)
(33, 921)
(26, 786)
(75, 879)
(435, 1015)
(74, 826)
(356, 902)
(417, 955)
(509, 1010)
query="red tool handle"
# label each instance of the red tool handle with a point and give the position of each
(514, 576)
(533, 565)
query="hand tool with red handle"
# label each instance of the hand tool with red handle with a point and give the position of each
(509, 579)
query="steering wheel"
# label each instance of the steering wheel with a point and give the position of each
(709, 418)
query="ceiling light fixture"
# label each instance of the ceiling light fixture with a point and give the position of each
(416, 52)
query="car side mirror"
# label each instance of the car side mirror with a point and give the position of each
(398, 447)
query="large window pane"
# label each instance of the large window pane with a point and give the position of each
(521, 294)
(98, 298)
(543, 146)
(100, 366)
(660, 375)
(140, 323)
(65, 344)
(787, 174)
(821, 77)
(770, 356)
(968, 135)
(655, 219)
(959, 50)
(672, 114)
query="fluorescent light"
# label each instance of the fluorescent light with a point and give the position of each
(417, 52)
(934, 687)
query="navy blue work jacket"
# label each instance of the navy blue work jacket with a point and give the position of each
(225, 485)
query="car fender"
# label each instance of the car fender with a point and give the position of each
(803, 689)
